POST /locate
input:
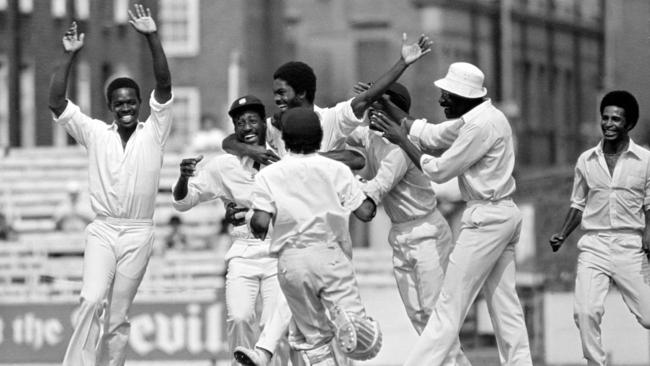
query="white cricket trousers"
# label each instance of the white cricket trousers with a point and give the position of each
(483, 258)
(607, 256)
(421, 250)
(315, 278)
(245, 280)
(115, 259)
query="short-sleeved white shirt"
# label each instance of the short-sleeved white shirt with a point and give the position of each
(337, 123)
(392, 178)
(612, 202)
(311, 198)
(482, 156)
(229, 178)
(123, 181)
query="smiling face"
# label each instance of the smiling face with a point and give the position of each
(125, 107)
(285, 96)
(250, 128)
(453, 105)
(613, 124)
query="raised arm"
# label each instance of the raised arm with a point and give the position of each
(73, 42)
(144, 24)
(188, 169)
(408, 55)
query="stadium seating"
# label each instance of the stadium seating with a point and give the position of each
(46, 265)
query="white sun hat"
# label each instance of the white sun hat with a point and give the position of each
(463, 79)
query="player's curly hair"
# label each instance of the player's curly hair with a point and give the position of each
(122, 82)
(301, 130)
(299, 76)
(622, 99)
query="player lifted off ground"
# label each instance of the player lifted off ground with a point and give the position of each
(611, 198)
(294, 86)
(251, 271)
(310, 198)
(419, 236)
(125, 157)
(482, 156)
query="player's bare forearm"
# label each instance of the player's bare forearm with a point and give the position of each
(351, 158)
(59, 84)
(235, 147)
(412, 151)
(180, 190)
(363, 100)
(409, 54)
(160, 68)
(572, 220)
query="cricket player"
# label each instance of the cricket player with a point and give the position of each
(309, 198)
(294, 85)
(611, 198)
(419, 236)
(251, 270)
(482, 156)
(125, 158)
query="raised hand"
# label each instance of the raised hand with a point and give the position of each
(142, 20)
(72, 40)
(413, 52)
(188, 166)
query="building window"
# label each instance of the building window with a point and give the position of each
(371, 58)
(121, 11)
(26, 6)
(82, 9)
(27, 106)
(180, 27)
(4, 103)
(187, 113)
(59, 8)
(3, 5)
(83, 86)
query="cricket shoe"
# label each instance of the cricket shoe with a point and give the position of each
(250, 357)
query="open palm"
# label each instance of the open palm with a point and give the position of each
(72, 40)
(412, 52)
(142, 20)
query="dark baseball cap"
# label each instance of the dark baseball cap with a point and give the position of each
(247, 102)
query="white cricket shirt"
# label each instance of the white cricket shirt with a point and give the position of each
(337, 123)
(392, 178)
(232, 179)
(123, 181)
(311, 198)
(612, 202)
(482, 156)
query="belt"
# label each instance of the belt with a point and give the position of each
(124, 221)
